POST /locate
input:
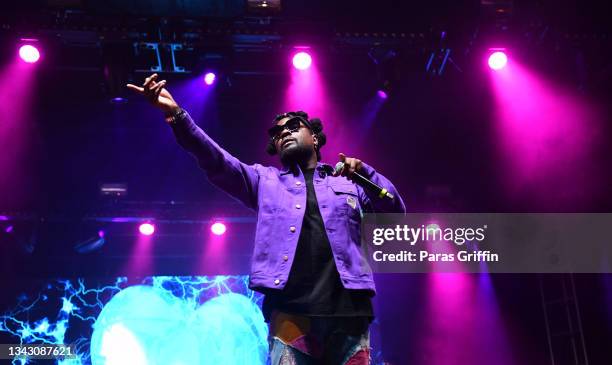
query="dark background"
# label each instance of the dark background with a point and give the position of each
(434, 136)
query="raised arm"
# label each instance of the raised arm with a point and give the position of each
(224, 170)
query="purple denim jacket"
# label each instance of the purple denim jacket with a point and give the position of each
(279, 198)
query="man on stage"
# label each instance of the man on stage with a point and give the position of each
(307, 259)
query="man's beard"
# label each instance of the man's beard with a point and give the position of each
(295, 154)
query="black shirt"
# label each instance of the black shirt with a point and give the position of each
(314, 287)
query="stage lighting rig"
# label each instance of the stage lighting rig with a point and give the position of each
(176, 58)
(440, 57)
(500, 11)
(387, 68)
(115, 190)
(116, 69)
(148, 57)
(264, 6)
(91, 244)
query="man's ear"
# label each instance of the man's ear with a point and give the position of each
(315, 140)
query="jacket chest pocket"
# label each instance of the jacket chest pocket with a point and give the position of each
(271, 196)
(346, 200)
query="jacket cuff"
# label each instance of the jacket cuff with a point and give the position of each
(367, 170)
(182, 122)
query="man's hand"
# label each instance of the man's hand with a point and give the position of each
(351, 165)
(156, 94)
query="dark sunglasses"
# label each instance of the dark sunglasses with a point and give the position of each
(292, 125)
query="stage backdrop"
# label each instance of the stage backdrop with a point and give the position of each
(153, 320)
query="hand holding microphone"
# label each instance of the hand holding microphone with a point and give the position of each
(349, 167)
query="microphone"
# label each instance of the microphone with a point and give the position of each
(366, 183)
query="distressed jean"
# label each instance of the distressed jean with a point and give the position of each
(296, 340)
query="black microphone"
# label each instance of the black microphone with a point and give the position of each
(366, 183)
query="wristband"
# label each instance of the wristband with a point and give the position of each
(173, 118)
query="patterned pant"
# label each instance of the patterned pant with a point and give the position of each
(296, 340)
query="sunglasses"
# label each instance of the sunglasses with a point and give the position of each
(292, 125)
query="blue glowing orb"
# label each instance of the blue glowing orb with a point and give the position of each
(148, 325)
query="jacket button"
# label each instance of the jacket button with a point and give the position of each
(297, 206)
(285, 257)
(292, 228)
(298, 183)
(276, 282)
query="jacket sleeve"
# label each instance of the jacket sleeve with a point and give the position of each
(375, 204)
(222, 169)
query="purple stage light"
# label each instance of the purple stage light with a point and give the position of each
(146, 229)
(381, 94)
(209, 78)
(498, 60)
(302, 60)
(118, 100)
(218, 228)
(29, 53)
(9, 229)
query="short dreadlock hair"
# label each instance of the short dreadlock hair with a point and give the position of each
(315, 125)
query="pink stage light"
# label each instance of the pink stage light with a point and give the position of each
(381, 94)
(209, 78)
(540, 123)
(218, 228)
(29, 53)
(146, 229)
(498, 60)
(302, 60)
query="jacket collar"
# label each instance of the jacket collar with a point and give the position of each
(321, 167)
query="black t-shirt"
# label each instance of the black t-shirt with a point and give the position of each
(314, 287)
